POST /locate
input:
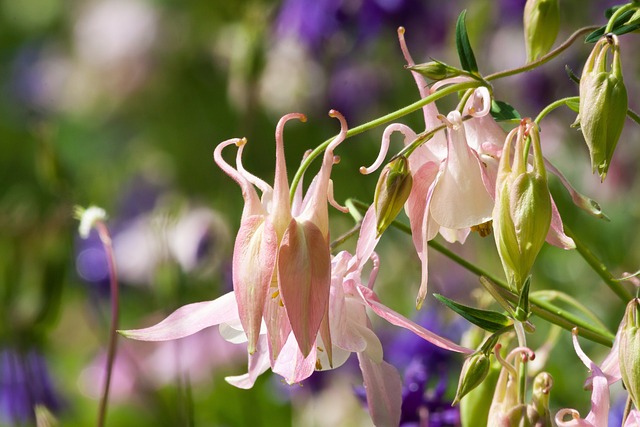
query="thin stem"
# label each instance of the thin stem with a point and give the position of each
(615, 16)
(599, 268)
(546, 58)
(522, 377)
(380, 121)
(105, 237)
(343, 238)
(549, 295)
(539, 307)
(558, 103)
(633, 116)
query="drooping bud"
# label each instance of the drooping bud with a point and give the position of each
(475, 369)
(603, 103)
(629, 350)
(522, 212)
(541, 25)
(538, 411)
(436, 70)
(392, 191)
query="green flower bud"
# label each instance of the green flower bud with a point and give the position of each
(629, 350)
(541, 25)
(392, 191)
(522, 212)
(436, 70)
(603, 103)
(474, 371)
(538, 411)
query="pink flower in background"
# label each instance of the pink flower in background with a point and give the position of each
(281, 254)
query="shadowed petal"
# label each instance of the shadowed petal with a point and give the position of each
(254, 259)
(383, 386)
(189, 319)
(397, 319)
(556, 236)
(304, 278)
(292, 365)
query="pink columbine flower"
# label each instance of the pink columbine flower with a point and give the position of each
(281, 255)
(347, 317)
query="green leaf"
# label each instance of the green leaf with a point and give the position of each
(467, 59)
(491, 321)
(502, 111)
(624, 24)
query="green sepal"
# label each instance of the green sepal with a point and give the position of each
(523, 310)
(488, 320)
(625, 23)
(574, 104)
(501, 111)
(436, 70)
(467, 58)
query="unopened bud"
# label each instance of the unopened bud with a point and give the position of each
(629, 350)
(541, 25)
(538, 411)
(522, 212)
(436, 70)
(603, 103)
(392, 191)
(474, 371)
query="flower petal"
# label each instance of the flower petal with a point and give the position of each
(254, 259)
(395, 318)
(383, 386)
(304, 279)
(292, 365)
(556, 235)
(188, 320)
(258, 364)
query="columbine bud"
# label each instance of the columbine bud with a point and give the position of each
(541, 25)
(436, 70)
(629, 350)
(392, 190)
(522, 212)
(538, 411)
(603, 103)
(474, 371)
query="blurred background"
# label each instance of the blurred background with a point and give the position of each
(120, 103)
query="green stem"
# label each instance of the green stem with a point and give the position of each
(549, 108)
(539, 307)
(615, 16)
(633, 116)
(522, 377)
(380, 121)
(599, 268)
(550, 295)
(546, 58)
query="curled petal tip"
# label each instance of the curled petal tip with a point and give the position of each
(401, 30)
(241, 141)
(336, 159)
(363, 170)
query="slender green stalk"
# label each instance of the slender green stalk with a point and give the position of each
(549, 295)
(558, 103)
(546, 58)
(633, 116)
(380, 121)
(600, 268)
(615, 16)
(105, 238)
(539, 307)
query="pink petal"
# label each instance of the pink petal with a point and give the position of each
(292, 365)
(633, 420)
(556, 236)
(460, 199)
(277, 324)
(599, 414)
(416, 206)
(395, 318)
(254, 259)
(304, 279)
(383, 386)
(368, 239)
(188, 320)
(258, 364)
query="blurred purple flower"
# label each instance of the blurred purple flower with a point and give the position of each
(427, 371)
(24, 383)
(511, 11)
